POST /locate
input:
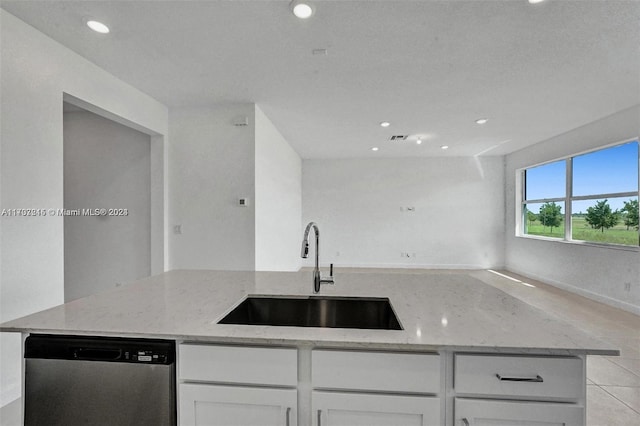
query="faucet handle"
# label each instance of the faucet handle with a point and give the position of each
(329, 279)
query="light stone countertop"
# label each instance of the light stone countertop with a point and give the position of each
(438, 311)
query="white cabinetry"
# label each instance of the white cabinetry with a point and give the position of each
(223, 385)
(519, 376)
(523, 390)
(477, 412)
(359, 409)
(215, 405)
(233, 385)
(353, 388)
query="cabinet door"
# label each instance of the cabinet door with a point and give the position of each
(354, 409)
(209, 405)
(473, 412)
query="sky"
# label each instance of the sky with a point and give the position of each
(610, 170)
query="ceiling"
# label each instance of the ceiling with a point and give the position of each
(431, 68)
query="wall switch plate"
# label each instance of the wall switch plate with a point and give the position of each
(177, 229)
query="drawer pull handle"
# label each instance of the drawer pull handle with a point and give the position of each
(536, 379)
(288, 419)
(319, 417)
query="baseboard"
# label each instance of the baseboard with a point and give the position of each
(580, 291)
(403, 266)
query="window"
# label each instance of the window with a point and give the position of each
(544, 192)
(589, 197)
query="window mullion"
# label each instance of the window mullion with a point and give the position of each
(567, 203)
(603, 196)
(544, 200)
(523, 193)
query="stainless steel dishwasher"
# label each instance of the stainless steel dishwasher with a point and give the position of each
(73, 380)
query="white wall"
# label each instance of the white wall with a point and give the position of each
(35, 72)
(596, 272)
(458, 220)
(106, 165)
(278, 199)
(211, 165)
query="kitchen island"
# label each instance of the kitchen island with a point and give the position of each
(467, 352)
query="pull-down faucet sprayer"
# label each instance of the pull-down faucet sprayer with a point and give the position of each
(304, 253)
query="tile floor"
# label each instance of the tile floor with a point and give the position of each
(613, 383)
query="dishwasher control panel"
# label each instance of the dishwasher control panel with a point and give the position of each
(143, 355)
(99, 348)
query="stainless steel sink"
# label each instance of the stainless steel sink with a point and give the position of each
(315, 311)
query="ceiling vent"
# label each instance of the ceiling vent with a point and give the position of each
(398, 138)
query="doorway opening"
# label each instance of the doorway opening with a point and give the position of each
(108, 203)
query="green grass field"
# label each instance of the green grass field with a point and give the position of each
(583, 232)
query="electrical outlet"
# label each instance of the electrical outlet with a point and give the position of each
(337, 254)
(177, 229)
(627, 286)
(404, 254)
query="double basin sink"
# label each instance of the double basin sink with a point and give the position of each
(315, 311)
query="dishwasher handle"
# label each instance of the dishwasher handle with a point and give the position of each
(97, 354)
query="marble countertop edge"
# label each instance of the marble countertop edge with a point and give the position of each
(325, 344)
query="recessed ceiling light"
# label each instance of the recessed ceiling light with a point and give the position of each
(419, 141)
(535, 1)
(375, 148)
(301, 9)
(444, 147)
(482, 120)
(97, 26)
(385, 124)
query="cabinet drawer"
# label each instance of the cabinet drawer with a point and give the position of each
(475, 412)
(236, 364)
(377, 371)
(519, 376)
(355, 409)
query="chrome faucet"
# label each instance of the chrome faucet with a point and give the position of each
(317, 279)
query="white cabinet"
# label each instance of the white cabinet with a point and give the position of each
(520, 376)
(376, 371)
(237, 386)
(214, 405)
(354, 388)
(238, 364)
(358, 409)
(498, 390)
(477, 412)
(224, 385)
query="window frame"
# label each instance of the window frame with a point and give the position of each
(569, 198)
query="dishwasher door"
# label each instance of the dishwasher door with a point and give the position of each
(99, 381)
